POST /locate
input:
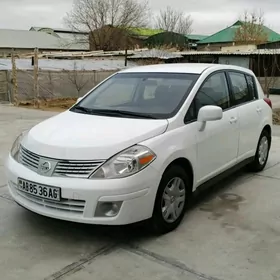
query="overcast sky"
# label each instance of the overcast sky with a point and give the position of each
(208, 16)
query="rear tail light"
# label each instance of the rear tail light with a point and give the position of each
(268, 101)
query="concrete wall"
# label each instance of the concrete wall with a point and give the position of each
(242, 61)
(274, 82)
(213, 47)
(54, 84)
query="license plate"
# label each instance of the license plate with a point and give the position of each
(43, 191)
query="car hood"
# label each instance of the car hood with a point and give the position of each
(72, 135)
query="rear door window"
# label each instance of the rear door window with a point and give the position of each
(240, 88)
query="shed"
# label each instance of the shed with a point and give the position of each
(170, 39)
(263, 62)
(193, 39)
(110, 38)
(226, 36)
(270, 45)
(144, 33)
(23, 41)
(75, 39)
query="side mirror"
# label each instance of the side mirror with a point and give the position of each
(209, 113)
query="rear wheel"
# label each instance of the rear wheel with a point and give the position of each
(171, 201)
(262, 152)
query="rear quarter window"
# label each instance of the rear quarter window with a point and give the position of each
(252, 86)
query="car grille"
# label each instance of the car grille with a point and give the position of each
(68, 205)
(29, 159)
(63, 168)
(76, 168)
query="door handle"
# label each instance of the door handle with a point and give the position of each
(233, 120)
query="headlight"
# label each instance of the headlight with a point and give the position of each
(16, 145)
(125, 163)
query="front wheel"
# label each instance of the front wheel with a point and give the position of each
(262, 153)
(171, 200)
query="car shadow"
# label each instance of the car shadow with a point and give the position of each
(219, 188)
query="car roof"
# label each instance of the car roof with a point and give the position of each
(190, 68)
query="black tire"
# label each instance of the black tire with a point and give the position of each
(258, 165)
(158, 224)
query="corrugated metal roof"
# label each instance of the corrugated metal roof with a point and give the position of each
(196, 37)
(227, 35)
(154, 53)
(23, 39)
(36, 28)
(253, 52)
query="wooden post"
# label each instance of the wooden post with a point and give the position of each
(14, 80)
(125, 57)
(36, 83)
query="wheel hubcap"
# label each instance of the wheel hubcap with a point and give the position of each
(173, 200)
(263, 150)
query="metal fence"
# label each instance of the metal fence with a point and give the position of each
(4, 90)
(52, 84)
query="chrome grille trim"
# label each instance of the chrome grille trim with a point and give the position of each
(67, 205)
(62, 168)
(71, 168)
(29, 159)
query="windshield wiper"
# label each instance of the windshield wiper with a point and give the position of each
(83, 109)
(123, 113)
(110, 112)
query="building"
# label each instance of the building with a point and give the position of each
(167, 39)
(270, 45)
(144, 33)
(24, 41)
(74, 39)
(226, 37)
(111, 38)
(173, 40)
(193, 39)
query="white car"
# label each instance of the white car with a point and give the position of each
(139, 144)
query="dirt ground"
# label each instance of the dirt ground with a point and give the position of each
(276, 116)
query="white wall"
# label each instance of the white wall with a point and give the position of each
(242, 61)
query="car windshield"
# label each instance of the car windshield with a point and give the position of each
(143, 95)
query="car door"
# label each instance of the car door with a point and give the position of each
(248, 107)
(217, 144)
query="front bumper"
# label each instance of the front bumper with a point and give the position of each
(80, 197)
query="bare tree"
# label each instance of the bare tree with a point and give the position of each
(78, 79)
(102, 18)
(251, 30)
(174, 21)
(268, 67)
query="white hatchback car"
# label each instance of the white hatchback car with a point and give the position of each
(140, 143)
